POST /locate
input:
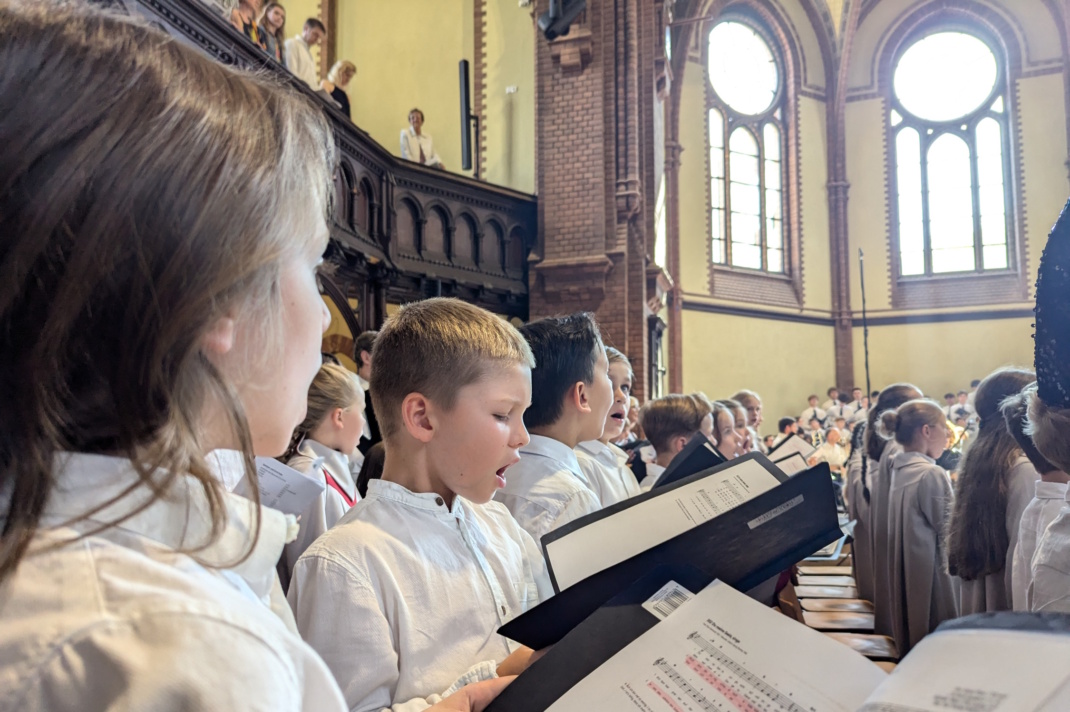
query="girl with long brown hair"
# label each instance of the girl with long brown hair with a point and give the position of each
(995, 483)
(163, 219)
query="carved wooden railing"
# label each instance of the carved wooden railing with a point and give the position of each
(400, 231)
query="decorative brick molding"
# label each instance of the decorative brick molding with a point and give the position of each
(573, 51)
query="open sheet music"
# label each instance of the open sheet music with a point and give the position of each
(790, 446)
(284, 488)
(574, 553)
(723, 651)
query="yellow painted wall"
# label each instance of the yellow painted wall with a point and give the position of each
(406, 52)
(813, 176)
(510, 96)
(694, 223)
(943, 357)
(783, 361)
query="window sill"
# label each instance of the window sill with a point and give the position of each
(754, 286)
(959, 290)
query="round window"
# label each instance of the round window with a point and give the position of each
(743, 70)
(945, 76)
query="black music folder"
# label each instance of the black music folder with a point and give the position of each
(595, 640)
(742, 547)
(697, 456)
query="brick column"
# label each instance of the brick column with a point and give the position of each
(593, 111)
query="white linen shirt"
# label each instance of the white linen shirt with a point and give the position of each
(653, 474)
(403, 597)
(1049, 591)
(546, 488)
(323, 512)
(119, 620)
(1038, 514)
(606, 468)
(811, 413)
(299, 60)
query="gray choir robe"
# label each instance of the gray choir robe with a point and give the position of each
(880, 483)
(858, 509)
(993, 592)
(923, 594)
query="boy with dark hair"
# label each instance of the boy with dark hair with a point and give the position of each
(833, 398)
(786, 427)
(571, 395)
(402, 597)
(813, 412)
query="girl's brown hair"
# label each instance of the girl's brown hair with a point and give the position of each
(904, 423)
(141, 189)
(977, 530)
(333, 387)
(890, 398)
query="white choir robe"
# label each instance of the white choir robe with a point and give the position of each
(858, 509)
(607, 472)
(993, 592)
(1038, 514)
(653, 474)
(923, 593)
(880, 483)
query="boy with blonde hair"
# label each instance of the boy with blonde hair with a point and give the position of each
(403, 596)
(669, 422)
(570, 398)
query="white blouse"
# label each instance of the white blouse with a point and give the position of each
(317, 461)
(403, 597)
(120, 620)
(411, 144)
(1038, 514)
(606, 468)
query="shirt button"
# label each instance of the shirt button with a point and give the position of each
(438, 501)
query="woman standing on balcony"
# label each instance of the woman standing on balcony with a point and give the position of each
(336, 82)
(270, 27)
(416, 145)
(243, 17)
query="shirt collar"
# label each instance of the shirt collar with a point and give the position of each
(592, 447)
(423, 501)
(336, 462)
(364, 383)
(903, 458)
(542, 446)
(228, 467)
(181, 520)
(1051, 490)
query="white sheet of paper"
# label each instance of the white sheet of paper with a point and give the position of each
(646, 524)
(980, 670)
(723, 651)
(792, 445)
(792, 465)
(284, 488)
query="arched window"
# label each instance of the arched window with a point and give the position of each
(950, 134)
(746, 140)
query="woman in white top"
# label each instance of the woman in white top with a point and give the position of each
(417, 146)
(161, 240)
(919, 499)
(601, 462)
(995, 482)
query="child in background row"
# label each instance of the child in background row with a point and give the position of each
(919, 500)
(403, 596)
(601, 462)
(570, 398)
(875, 486)
(1041, 510)
(669, 423)
(739, 421)
(995, 483)
(320, 448)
